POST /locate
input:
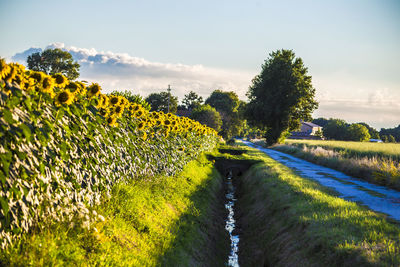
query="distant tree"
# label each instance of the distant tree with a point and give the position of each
(207, 115)
(391, 131)
(385, 138)
(52, 61)
(373, 132)
(320, 121)
(133, 98)
(280, 96)
(335, 129)
(227, 104)
(159, 102)
(391, 139)
(358, 132)
(192, 100)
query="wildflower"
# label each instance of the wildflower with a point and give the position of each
(94, 90)
(60, 80)
(64, 97)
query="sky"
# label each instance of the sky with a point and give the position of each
(351, 48)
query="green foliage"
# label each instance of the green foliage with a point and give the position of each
(358, 132)
(205, 114)
(395, 132)
(167, 221)
(280, 96)
(58, 160)
(372, 131)
(228, 105)
(335, 129)
(159, 102)
(298, 217)
(52, 61)
(192, 101)
(320, 121)
(133, 98)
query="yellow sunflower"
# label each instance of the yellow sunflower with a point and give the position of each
(47, 86)
(64, 97)
(141, 125)
(114, 100)
(4, 68)
(13, 71)
(112, 121)
(119, 110)
(60, 80)
(37, 76)
(93, 90)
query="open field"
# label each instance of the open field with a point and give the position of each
(374, 162)
(288, 220)
(354, 149)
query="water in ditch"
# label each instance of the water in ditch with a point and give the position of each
(230, 225)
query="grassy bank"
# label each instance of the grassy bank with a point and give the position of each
(165, 221)
(376, 163)
(287, 220)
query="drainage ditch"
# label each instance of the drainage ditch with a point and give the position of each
(232, 169)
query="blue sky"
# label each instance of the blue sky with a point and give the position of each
(350, 47)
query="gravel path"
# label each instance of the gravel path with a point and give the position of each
(377, 198)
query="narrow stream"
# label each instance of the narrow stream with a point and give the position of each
(230, 225)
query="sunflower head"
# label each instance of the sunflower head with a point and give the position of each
(93, 90)
(4, 68)
(47, 85)
(119, 110)
(139, 113)
(112, 121)
(13, 71)
(60, 80)
(64, 97)
(37, 76)
(27, 84)
(114, 100)
(141, 125)
(103, 101)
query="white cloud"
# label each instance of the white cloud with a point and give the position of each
(118, 71)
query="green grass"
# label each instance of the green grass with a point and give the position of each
(375, 162)
(355, 149)
(288, 220)
(166, 221)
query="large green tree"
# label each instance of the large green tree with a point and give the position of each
(280, 96)
(192, 100)
(159, 102)
(358, 132)
(227, 104)
(336, 129)
(207, 115)
(53, 61)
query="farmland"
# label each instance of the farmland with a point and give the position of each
(374, 162)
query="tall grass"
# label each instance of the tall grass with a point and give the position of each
(376, 163)
(288, 220)
(164, 222)
(349, 149)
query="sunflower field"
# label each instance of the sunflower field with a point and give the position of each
(64, 144)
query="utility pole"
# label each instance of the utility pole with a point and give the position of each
(169, 95)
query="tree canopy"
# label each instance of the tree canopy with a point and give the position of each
(228, 105)
(192, 100)
(52, 61)
(207, 115)
(358, 132)
(280, 96)
(159, 102)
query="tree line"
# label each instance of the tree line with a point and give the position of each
(279, 98)
(338, 129)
